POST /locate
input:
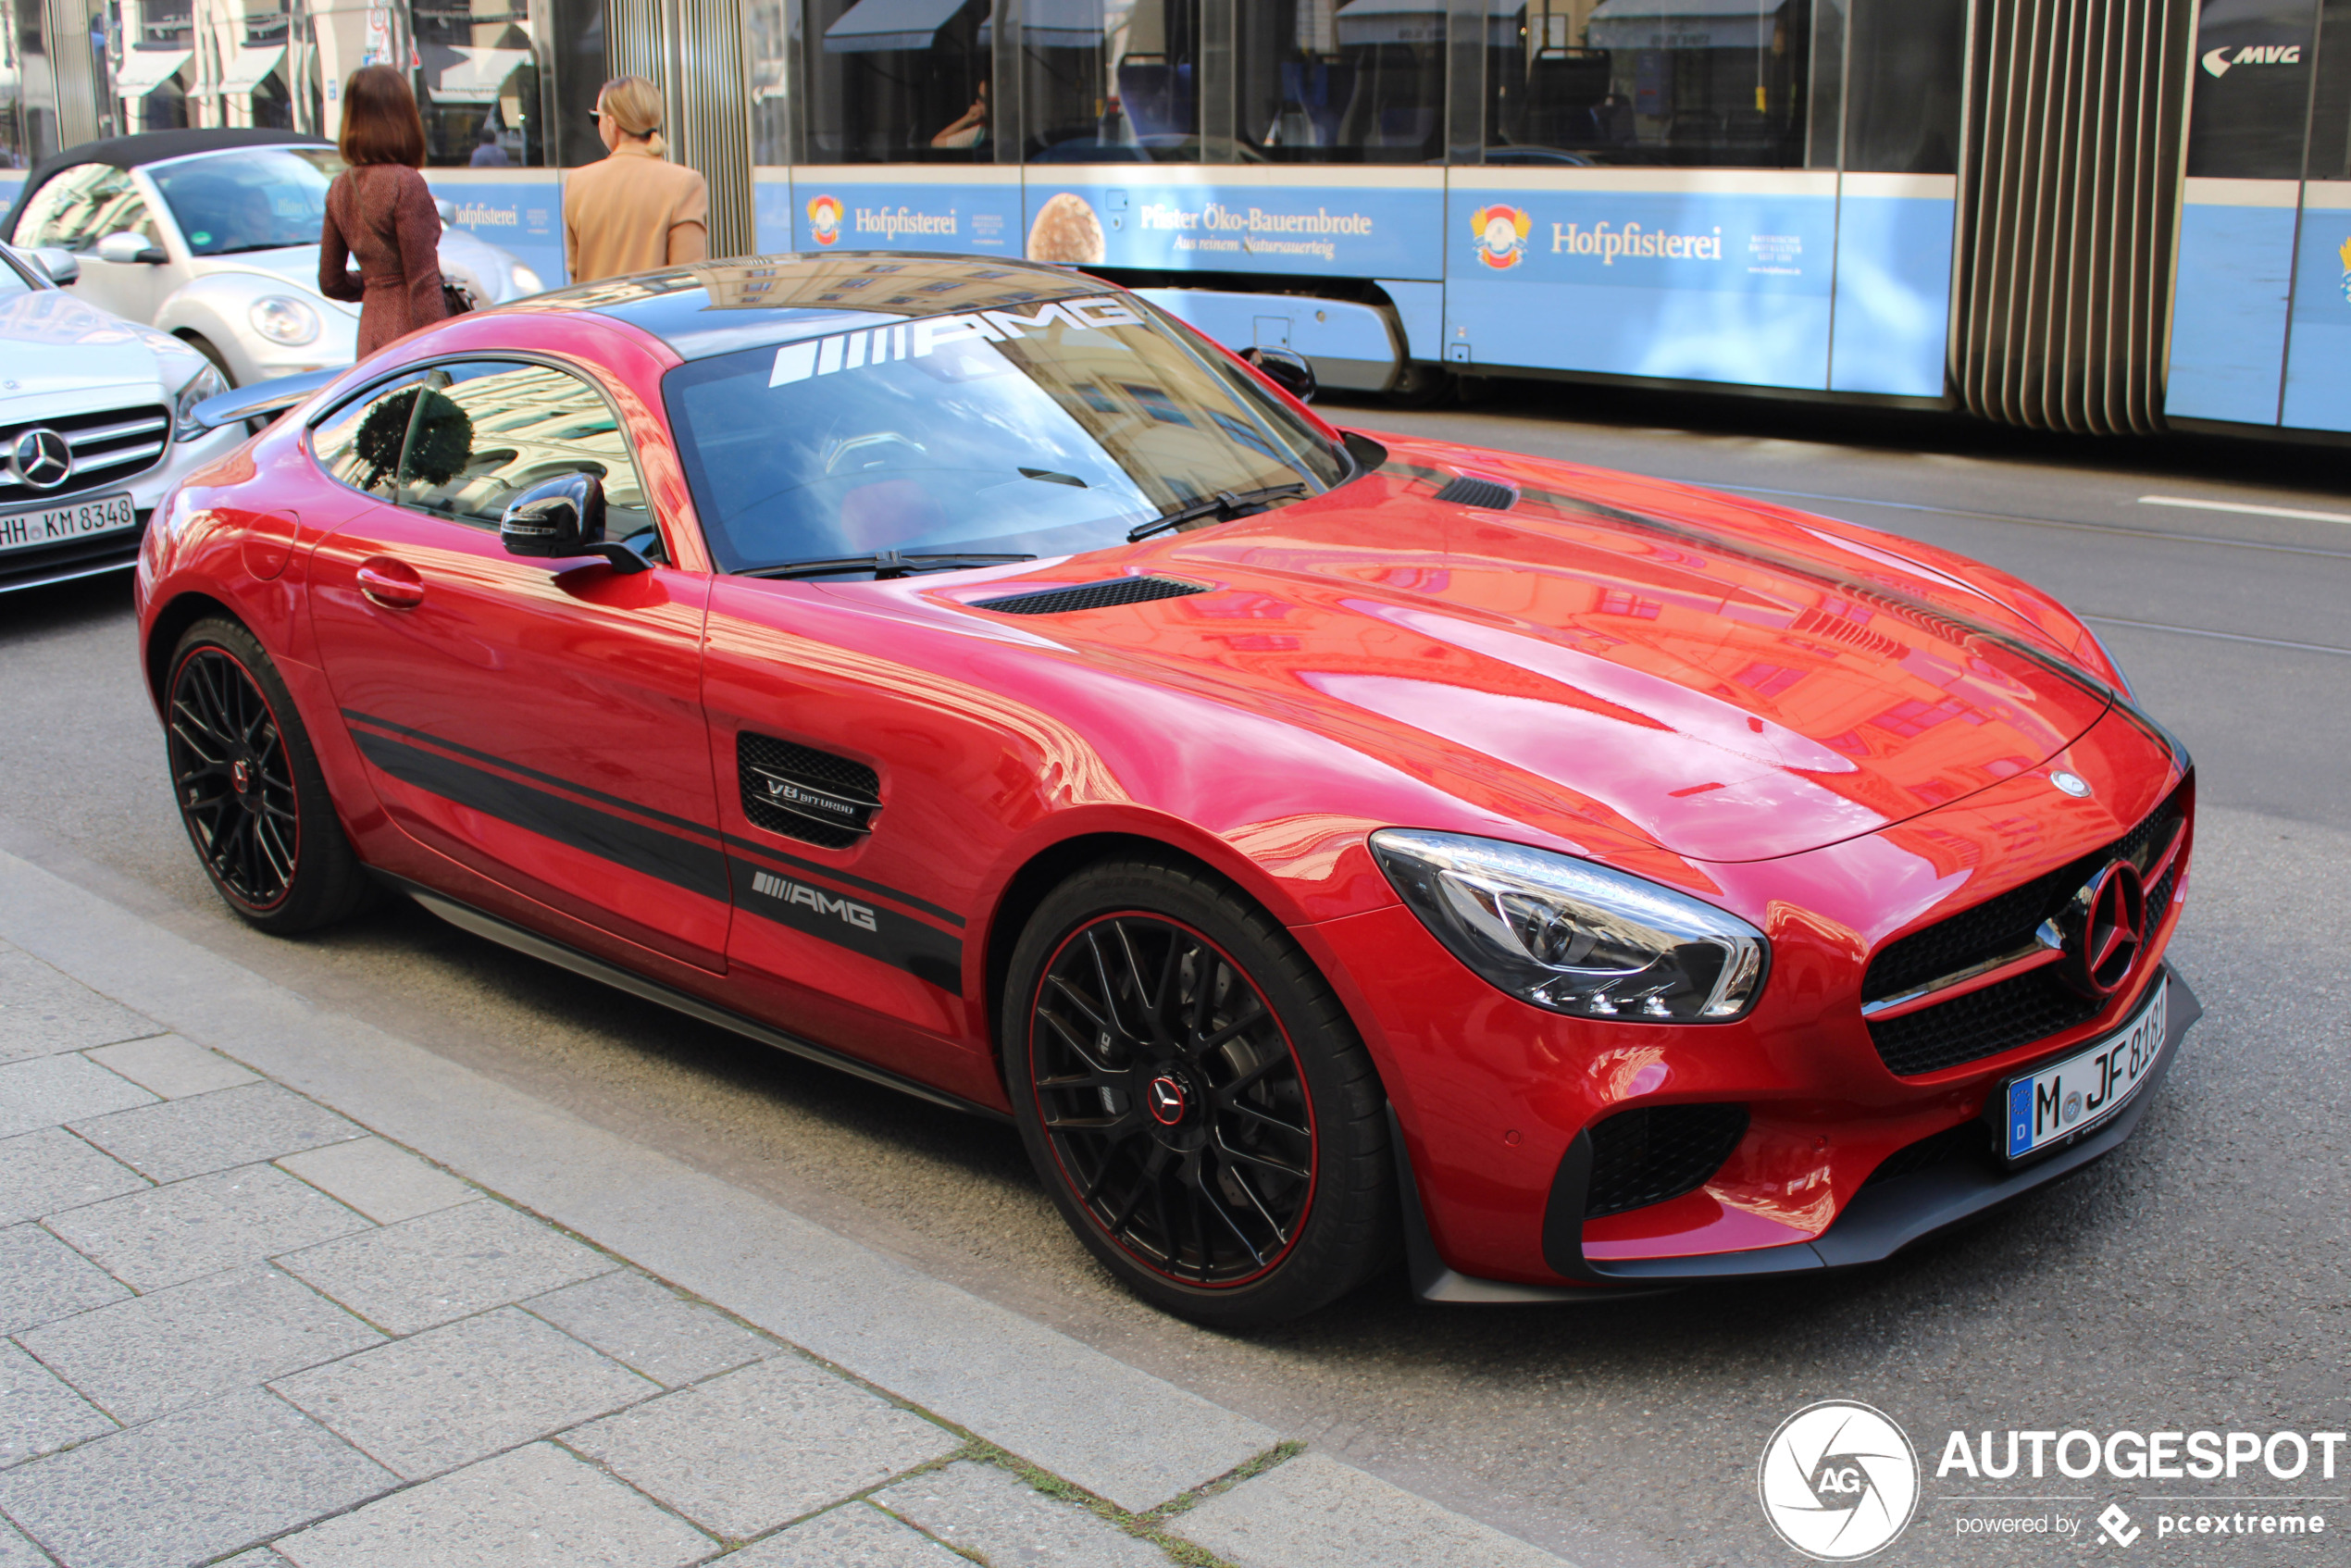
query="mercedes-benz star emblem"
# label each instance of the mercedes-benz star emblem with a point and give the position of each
(240, 776)
(41, 458)
(2073, 784)
(2107, 928)
(1167, 1100)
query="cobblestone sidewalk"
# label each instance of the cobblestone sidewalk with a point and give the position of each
(242, 1328)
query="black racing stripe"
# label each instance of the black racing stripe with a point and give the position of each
(826, 872)
(697, 868)
(923, 951)
(427, 736)
(881, 888)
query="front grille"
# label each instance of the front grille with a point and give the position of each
(1093, 596)
(762, 759)
(110, 447)
(1968, 1140)
(2005, 923)
(1644, 1156)
(1463, 491)
(2027, 1007)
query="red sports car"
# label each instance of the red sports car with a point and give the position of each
(1317, 844)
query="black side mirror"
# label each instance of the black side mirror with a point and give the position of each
(563, 518)
(1286, 370)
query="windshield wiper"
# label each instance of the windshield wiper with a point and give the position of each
(889, 563)
(1224, 505)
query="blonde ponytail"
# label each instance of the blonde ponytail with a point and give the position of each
(634, 105)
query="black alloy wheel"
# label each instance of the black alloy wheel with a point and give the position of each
(1195, 1097)
(235, 784)
(249, 789)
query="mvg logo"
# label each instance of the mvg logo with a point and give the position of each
(2217, 61)
(823, 903)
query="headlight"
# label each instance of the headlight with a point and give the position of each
(206, 382)
(526, 282)
(283, 319)
(1574, 937)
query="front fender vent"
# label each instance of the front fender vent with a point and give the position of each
(1649, 1155)
(1093, 596)
(1463, 491)
(804, 794)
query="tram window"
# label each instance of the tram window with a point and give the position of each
(1342, 81)
(1722, 82)
(1112, 82)
(1902, 104)
(2330, 155)
(897, 81)
(2249, 124)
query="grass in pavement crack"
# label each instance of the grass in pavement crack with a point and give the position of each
(1152, 1525)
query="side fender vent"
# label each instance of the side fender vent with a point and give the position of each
(1093, 596)
(805, 794)
(1463, 491)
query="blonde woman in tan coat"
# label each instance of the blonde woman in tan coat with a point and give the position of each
(632, 212)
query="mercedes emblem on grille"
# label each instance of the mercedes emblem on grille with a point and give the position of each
(2105, 927)
(41, 458)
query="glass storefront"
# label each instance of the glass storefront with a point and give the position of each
(501, 83)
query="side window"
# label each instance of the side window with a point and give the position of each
(487, 431)
(69, 210)
(360, 443)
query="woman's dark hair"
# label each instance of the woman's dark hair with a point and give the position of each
(379, 119)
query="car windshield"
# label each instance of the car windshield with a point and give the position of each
(1054, 428)
(255, 199)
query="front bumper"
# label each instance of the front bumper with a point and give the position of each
(1878, 1222)
(41, 566)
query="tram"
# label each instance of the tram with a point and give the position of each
(2101, 215)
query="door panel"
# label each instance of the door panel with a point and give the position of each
(539, 723)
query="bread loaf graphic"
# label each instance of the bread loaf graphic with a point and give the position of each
(1066, 231)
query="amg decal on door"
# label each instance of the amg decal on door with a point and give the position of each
(823, 903)
(899, 941)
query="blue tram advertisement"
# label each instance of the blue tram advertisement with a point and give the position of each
(2099, 216)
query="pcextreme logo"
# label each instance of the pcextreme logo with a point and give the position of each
(1838, 1481)
(1502, 235)
(824, 218)
(2217, 61)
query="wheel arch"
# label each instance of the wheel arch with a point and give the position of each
(165, 631)
(1048, 867)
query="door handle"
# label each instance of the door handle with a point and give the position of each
(387, 583)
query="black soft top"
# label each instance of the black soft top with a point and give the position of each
(151, 147)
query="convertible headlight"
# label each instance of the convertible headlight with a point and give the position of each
(1575, 937)
(526, 282)
(284, 320)
(206, 382)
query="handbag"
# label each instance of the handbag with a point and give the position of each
(455, 298)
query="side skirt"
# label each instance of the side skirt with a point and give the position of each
(507, 934)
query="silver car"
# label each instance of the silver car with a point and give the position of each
(96, 423)
(212, 236)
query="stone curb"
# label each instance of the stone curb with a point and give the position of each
(1120, 1433)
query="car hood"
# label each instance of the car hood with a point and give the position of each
(56, 343)
(1723, 680)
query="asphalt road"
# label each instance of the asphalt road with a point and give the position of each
(2196, 1280)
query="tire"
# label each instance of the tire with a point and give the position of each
(1224, 1153)
(249, 789)
(203, 345)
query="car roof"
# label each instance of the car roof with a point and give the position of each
(717, 307)
(151, 147)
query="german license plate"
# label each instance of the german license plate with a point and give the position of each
(2067, 1099)
(73, 519)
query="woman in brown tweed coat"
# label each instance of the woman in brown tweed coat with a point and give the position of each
(381, 211)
